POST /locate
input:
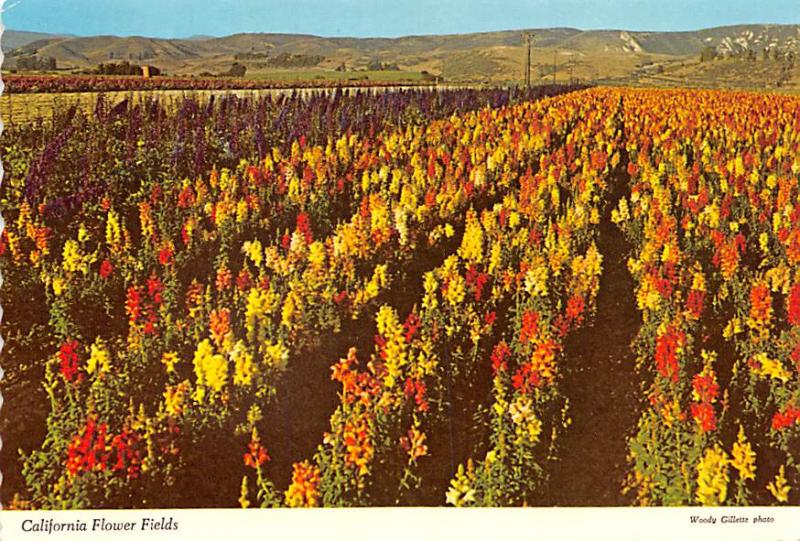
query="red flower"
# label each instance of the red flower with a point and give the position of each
(411, 326)
(530, 326)
(705, 416)
(243, 280)
(69, 366)
(94, 448)
(786, 418)
(796, 357)
(165, 256)
(575, 308)
(129, 455)
(476, 281)
(694, 302)
(760, 303)
(133, 303)
(155, 288)
(224, 278)
(304, 227)
(793, 307)
(525, 379)
(664, 286)
(417, 389)
(106, 268)
(186, 198)
(256, 455)
(667, 354)
(185, 237)
(500, 356)
(706, 387)
(490, 318)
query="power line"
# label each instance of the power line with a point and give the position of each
(529, 41)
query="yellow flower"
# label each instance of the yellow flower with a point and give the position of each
(277, 355)
(316, 254)
(536, 281)
(779, 487)
(429, 301)
(472, 244)
(495, 257)
(252, 249)
(113, 232)
(304, 489)
(244, 369)
(83, 234)
(289, 310)
(744, 458)
(733, 327)
(259, 304)
(460, 492)
(211, 369)
(527, 424)
(456, 289)
(73, 259)
(621, 214)
(58, 285)
(712, 477)
(169, 360)
(175, 398)
(98, 358)
(698, 281)
(771, 368)
(395, 347)
(241, 211)
(763, 243)
(243, 501)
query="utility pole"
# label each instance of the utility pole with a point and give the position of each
(529, 41)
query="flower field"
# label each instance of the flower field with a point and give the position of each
(377, 299)
(49, 84)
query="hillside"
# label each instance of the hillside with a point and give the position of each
(591, 55)
(13, 39)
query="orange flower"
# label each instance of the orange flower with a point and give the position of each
(359, 447)
(220, 325)
(760, 304)
(256, 455)
(414, 444)
(304, 489)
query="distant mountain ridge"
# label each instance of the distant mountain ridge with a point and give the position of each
(485, 55)
(13, 39)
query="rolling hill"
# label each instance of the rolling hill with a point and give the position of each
(596, 55)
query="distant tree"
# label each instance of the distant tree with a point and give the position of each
(47, 63)
(36, 63)
(26, 63)
(237, 70)
(122, 68)
(708, 53)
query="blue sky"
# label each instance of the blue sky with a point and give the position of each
(182, 18)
